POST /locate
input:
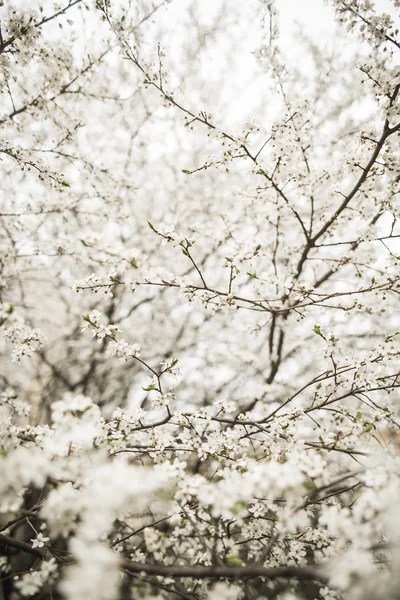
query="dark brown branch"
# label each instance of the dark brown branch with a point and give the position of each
(8, 542)
(307, 573)
(312, 496)
(355, 12)
(387, 131)
(27, 513)
(45, 20)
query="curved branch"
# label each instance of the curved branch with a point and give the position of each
(61, 11)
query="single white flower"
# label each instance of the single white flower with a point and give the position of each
(39, 541)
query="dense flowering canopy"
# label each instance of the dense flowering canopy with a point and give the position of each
(199, 297)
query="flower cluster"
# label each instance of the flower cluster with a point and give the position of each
(261, 249)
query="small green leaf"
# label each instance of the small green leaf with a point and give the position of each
(309, 485)
(234, 560)
(149, 388)
(65, 184)
(239, 506)
(317, 329)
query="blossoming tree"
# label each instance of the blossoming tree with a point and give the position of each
(199, 312)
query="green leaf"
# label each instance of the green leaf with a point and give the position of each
(309, 485)
(368, 427)
(234, 560)
(238, 506)
(149, 388)
(186, 171)
(317, 329)
(65, 184)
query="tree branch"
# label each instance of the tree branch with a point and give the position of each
(306, 573)
(6, 541)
